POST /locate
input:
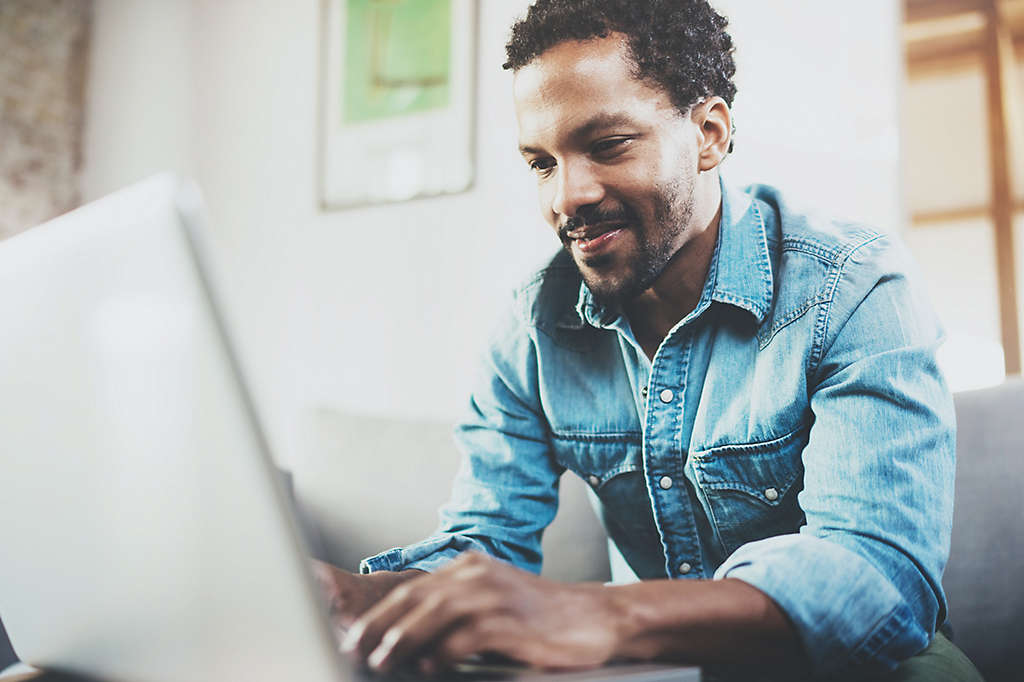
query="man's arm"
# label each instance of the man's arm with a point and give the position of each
(506, 490)
(478, 604)
(504, 495)
(861, 580)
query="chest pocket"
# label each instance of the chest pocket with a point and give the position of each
(612, 465)
(750, 490)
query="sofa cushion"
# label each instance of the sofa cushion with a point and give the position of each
(984, 579)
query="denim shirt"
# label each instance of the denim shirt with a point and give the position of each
(793, 431)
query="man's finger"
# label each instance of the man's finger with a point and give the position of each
(407, 620)
(367, 632)
(407, 636)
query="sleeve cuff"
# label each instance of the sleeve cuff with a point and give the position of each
(845, 611)
(428, 555)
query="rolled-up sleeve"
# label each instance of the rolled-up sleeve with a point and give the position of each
(506, 490)
(861, 580)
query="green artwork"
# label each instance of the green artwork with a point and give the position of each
(396, 58)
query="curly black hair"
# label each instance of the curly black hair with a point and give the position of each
(680, 45)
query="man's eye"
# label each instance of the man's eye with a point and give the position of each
(610, 146)
(542, 166)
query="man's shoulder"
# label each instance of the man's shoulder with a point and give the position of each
(823, 263)
(794, 227)
(809, 247)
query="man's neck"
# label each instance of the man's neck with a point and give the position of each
(677, 291)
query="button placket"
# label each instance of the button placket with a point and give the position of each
(664, 456)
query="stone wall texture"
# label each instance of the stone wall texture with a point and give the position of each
(43, 53)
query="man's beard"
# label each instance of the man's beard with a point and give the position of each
(653, 250)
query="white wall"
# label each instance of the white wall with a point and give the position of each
(818, 107)
(381, 310)
(138, 93)
(374, 310)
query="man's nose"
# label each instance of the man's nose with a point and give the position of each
(576, 186)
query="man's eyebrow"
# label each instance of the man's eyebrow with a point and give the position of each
(588, 127)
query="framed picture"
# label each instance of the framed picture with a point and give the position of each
(396, 110)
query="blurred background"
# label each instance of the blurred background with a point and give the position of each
(904, 114)
(369, 319)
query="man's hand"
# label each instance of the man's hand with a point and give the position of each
(349, 595)
(477, 604)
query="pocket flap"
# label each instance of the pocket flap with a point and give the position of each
(598, 458)
(766, 471)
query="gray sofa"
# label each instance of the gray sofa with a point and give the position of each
(984, 579)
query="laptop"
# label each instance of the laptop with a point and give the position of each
(146, 534)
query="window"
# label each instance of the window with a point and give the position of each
(964, 176)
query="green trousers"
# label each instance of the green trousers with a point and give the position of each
(942, 661)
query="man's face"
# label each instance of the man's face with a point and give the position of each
(616, 163)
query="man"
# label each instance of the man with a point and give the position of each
(751, 393)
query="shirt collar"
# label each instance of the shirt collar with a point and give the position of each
(743, 276)
(740, 274)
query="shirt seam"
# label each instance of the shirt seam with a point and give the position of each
(824, 318)
(594, 437)
(833, 255)
(706, 454)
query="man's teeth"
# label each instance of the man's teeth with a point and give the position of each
(584, 236)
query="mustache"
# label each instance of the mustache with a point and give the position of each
(591, 215)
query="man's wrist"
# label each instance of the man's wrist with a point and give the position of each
(641, 620)
(698, 620)
(385, 581)
(626, 623)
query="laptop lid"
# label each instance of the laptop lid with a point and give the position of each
(145, 532)
(138, 541)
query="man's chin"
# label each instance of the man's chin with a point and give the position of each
(606, 290)
(604, 278)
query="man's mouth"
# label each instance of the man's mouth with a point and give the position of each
(589, 233)
(592, 239)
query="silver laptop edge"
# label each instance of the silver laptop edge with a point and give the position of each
(146, 533)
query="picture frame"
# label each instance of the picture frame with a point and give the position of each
(397, 119)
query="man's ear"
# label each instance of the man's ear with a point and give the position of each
(714, 119)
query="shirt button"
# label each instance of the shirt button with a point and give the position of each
(643, 391)
(593, 480)
(685, 568)
(666, 396)
(665, 482)
(771, 494)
